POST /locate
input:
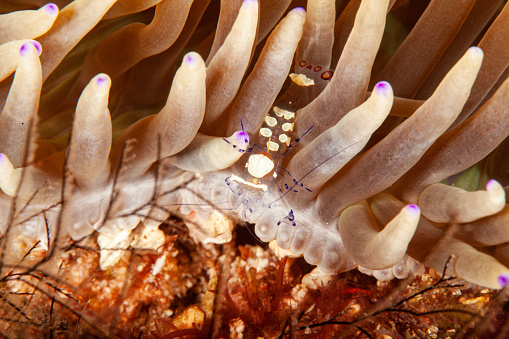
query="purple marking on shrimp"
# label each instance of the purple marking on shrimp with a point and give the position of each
(241, 137)
(503, 279)
(241, 141)
(51, 9)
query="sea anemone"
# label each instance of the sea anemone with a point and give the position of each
(121, 114)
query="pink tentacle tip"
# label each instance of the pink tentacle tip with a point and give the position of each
(383, 87)
(51, 9)
(413, 208)
(503, 279)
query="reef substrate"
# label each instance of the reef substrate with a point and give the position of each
(355, 136)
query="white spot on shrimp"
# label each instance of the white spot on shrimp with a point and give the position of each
(282, 112)
(271, 121)
(273, 146)
(259, 165)
(287, 126)
(266, 132)
(284, 138)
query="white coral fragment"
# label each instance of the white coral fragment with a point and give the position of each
(158, 265)
(149, 238)
(113, 247)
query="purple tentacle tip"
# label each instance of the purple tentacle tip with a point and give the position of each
(51, 9)
(413, 208)
(101, 80)
(382, 87)
(25, 49)
(37, 46)
(191, 59)
(2, 158)
(250, 1)
(299, 10)
(503, 279)
(476, 50)
(491, 184)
